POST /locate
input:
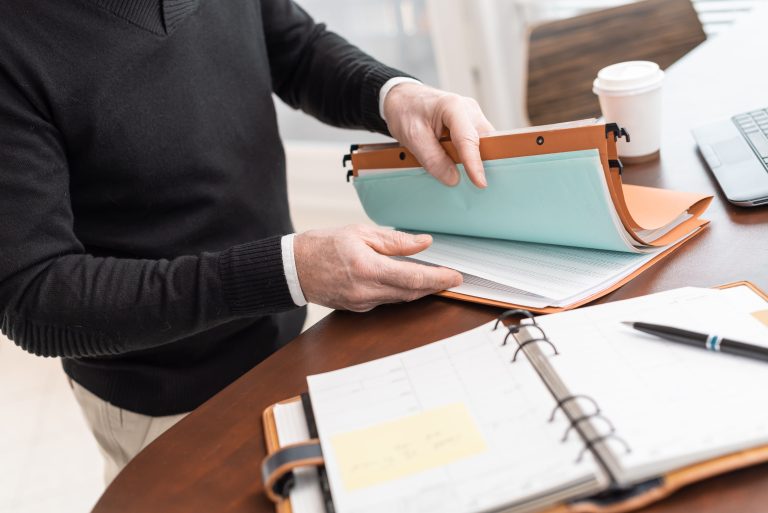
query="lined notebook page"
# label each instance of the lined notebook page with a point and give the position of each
(673, 404)
(452, 427)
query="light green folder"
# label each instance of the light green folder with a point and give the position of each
(559, 198)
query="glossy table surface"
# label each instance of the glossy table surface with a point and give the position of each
(210, 460)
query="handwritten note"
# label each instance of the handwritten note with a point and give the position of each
(405, 446)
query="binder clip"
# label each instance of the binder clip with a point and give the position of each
(616, 131)
(348, 157)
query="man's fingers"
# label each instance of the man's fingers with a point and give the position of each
(395, 243)
(412, 277)
(466, 139)
(408, 275)
(484, 126)
(430, 154)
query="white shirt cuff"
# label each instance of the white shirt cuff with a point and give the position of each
(289, 267)
(387, 87)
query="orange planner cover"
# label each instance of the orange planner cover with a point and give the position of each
(634, 499)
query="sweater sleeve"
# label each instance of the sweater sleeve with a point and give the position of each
(321, 73)
(57, 300)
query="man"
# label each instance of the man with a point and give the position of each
(143, 197)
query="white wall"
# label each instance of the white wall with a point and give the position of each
(394, 31)
(481, 51)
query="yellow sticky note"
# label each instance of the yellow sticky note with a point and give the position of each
(403, 447)
(761, 316)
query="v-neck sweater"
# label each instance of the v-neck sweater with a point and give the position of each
(143, 189)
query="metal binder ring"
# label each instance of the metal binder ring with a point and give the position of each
(530, 341)
(585, 417)
(564, 400)
(512, 330)
(513, 313)
(602, 438)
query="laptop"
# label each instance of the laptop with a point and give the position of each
(736, 151)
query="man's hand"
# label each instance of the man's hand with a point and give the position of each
(346, 268)
(417, 115)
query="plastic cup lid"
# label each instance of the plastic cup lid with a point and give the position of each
(632, 77)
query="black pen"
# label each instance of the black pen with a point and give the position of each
(702, 340)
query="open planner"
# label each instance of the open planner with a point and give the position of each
(569, 412)
(555, 228)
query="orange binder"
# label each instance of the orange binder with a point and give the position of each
(639, 208)
(616, 501)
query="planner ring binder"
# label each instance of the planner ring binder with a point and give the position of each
(582, 418)
(513, 313)
(606, 481)
(515, 328)
(602, 438)
(531, 341)
(576, 420)
(561, 402)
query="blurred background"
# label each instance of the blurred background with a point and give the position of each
(476, 48)
(48, 460)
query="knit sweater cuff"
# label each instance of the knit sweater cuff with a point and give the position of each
(374, 80)
(253, 279)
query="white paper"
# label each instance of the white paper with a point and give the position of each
(673, 404)
(508, 402)
(543, 274)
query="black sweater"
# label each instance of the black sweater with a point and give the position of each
(142, 184)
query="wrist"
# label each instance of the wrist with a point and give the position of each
(388, 86)
(401, 99)
(287, 246)
(374, 80)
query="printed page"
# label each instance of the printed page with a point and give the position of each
(535, 275)
(674, 405)
(453, 426)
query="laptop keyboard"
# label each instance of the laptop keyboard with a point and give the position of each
(754, 126)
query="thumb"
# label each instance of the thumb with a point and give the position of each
(394, 243)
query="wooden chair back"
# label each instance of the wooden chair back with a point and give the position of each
(565, 55)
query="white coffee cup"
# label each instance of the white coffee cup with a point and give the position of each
(630, 95)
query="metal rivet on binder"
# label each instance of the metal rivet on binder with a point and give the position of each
(402, 155)
(540, 140)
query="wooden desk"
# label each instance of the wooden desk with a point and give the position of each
(210, 461)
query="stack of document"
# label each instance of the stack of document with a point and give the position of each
(551, 231)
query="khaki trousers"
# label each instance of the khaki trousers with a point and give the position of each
(121, 434)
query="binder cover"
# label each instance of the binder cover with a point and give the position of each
(610, 501)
